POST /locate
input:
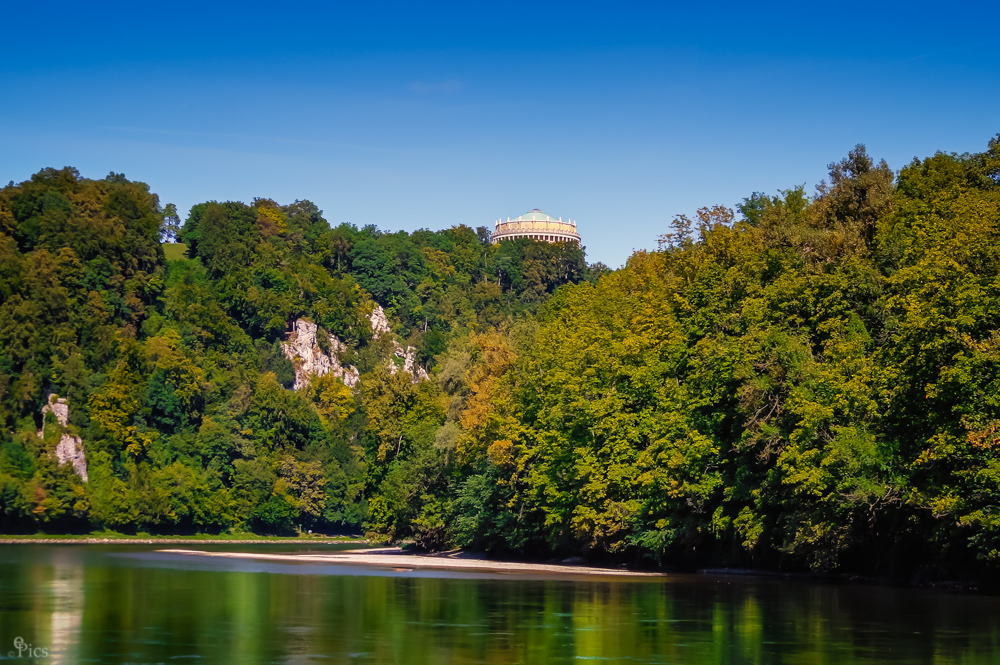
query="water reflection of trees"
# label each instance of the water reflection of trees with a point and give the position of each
(116, 611)
(67, 597)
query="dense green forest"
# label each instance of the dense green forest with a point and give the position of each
(806, 382)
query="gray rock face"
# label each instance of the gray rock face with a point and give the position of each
(380, 328)
(59, 407)
(70, 447)
(380, 322)
(310, 360)
(410, 365)
(303, 350)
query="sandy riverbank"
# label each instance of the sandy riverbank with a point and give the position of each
(396, 559)
(178, 541)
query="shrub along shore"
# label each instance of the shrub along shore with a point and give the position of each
(807, 382)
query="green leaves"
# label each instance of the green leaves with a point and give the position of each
(814, 385)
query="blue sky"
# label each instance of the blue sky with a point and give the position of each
(619, 115)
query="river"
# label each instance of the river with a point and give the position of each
(131, 604)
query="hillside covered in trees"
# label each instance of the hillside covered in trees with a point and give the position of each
(806, 382)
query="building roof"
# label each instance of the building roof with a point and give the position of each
(535, 215)
(536, 224)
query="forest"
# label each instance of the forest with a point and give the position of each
(807, 382)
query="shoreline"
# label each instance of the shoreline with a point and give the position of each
(397, 560)
(96, 540)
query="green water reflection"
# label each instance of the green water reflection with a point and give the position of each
(128, 604)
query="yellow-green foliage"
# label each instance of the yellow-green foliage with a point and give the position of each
(807, 382)
(174, 251)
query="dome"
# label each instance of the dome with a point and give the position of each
(536, 225)
(535, 215)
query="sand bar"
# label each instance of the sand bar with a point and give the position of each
(95, 540)
(394, 558)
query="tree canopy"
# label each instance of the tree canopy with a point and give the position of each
(802, 382)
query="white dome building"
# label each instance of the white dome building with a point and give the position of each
(537, 226)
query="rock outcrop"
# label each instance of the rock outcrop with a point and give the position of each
(303, 349)
(409, 365)
(380, 328)
(70, 447)
(380, 322)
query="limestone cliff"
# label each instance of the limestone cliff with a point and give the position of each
(410, 365)
(380, 328)
(303, 349)
(380, 323)
(70, 447)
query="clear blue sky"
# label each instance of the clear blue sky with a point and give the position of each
(406, 115)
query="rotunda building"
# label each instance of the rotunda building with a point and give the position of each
(537, 226)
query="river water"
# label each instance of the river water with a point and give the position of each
(131, 604)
